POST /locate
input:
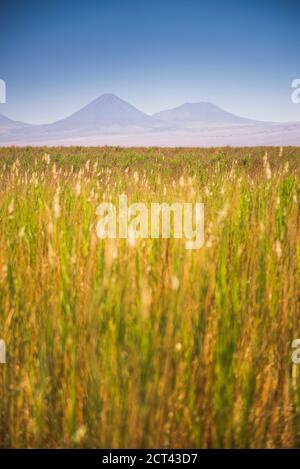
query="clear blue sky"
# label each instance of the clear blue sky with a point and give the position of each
(57, 56)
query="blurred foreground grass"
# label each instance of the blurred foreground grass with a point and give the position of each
(146, 344)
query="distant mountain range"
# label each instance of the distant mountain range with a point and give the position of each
(109, 120)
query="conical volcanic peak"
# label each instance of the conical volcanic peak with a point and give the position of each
(107, 111)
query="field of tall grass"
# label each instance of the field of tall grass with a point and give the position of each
(113, 343)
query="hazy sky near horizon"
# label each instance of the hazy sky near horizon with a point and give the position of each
(57, 56)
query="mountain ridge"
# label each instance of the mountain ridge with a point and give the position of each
(201, 112)
(110, 120)
(105, 111)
